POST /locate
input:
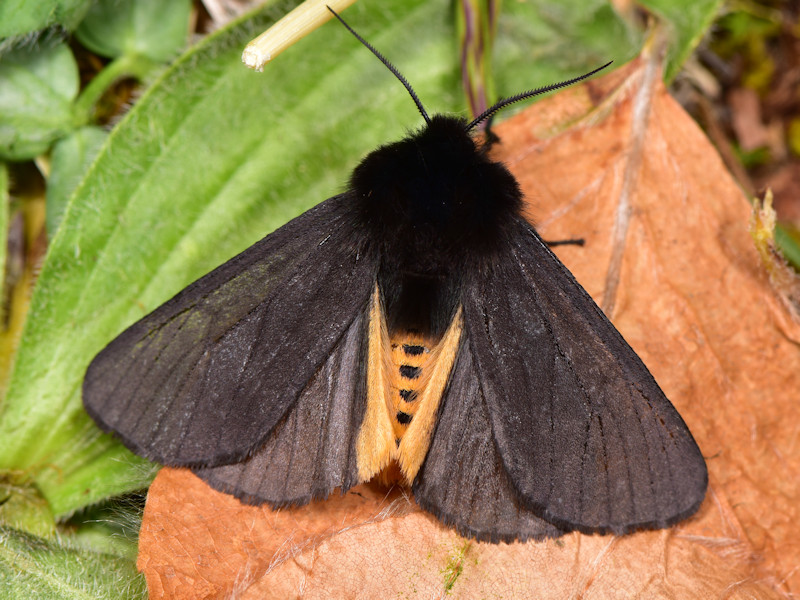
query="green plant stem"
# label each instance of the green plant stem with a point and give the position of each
(127, 65)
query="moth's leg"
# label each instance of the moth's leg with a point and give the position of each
(569, 242)
(490, 139)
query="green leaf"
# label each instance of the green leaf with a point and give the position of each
(22, 506)
(18, 17)
(69, 160)
(686, 22)
(151, 28)
(32, 567)
(37, 87)
(540, 42)
(4, 224)
(788, 239)
(110, 527)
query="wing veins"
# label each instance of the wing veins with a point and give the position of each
(631, 386)
(181, 384)
(257, 340)
(186, 313)
(587, 401)
(133, 394)
(568, 361)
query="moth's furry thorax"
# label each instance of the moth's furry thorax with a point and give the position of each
(435, 198)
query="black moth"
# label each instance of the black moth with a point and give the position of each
(417, 325)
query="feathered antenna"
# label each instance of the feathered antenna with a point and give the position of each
(503, 102)
(388, 65)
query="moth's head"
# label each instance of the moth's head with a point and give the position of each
(438, 185)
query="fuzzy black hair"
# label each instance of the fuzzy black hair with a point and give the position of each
(435, 198)
(440, 206)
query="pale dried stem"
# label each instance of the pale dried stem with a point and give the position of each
(297, 24)
(640, 119)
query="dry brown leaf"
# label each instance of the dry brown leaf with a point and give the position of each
(692, 301)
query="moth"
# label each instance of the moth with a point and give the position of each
(415, 327)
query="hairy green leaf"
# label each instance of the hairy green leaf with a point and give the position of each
(33, 567)
(151, 28)
(37, 87)
(18, 17)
